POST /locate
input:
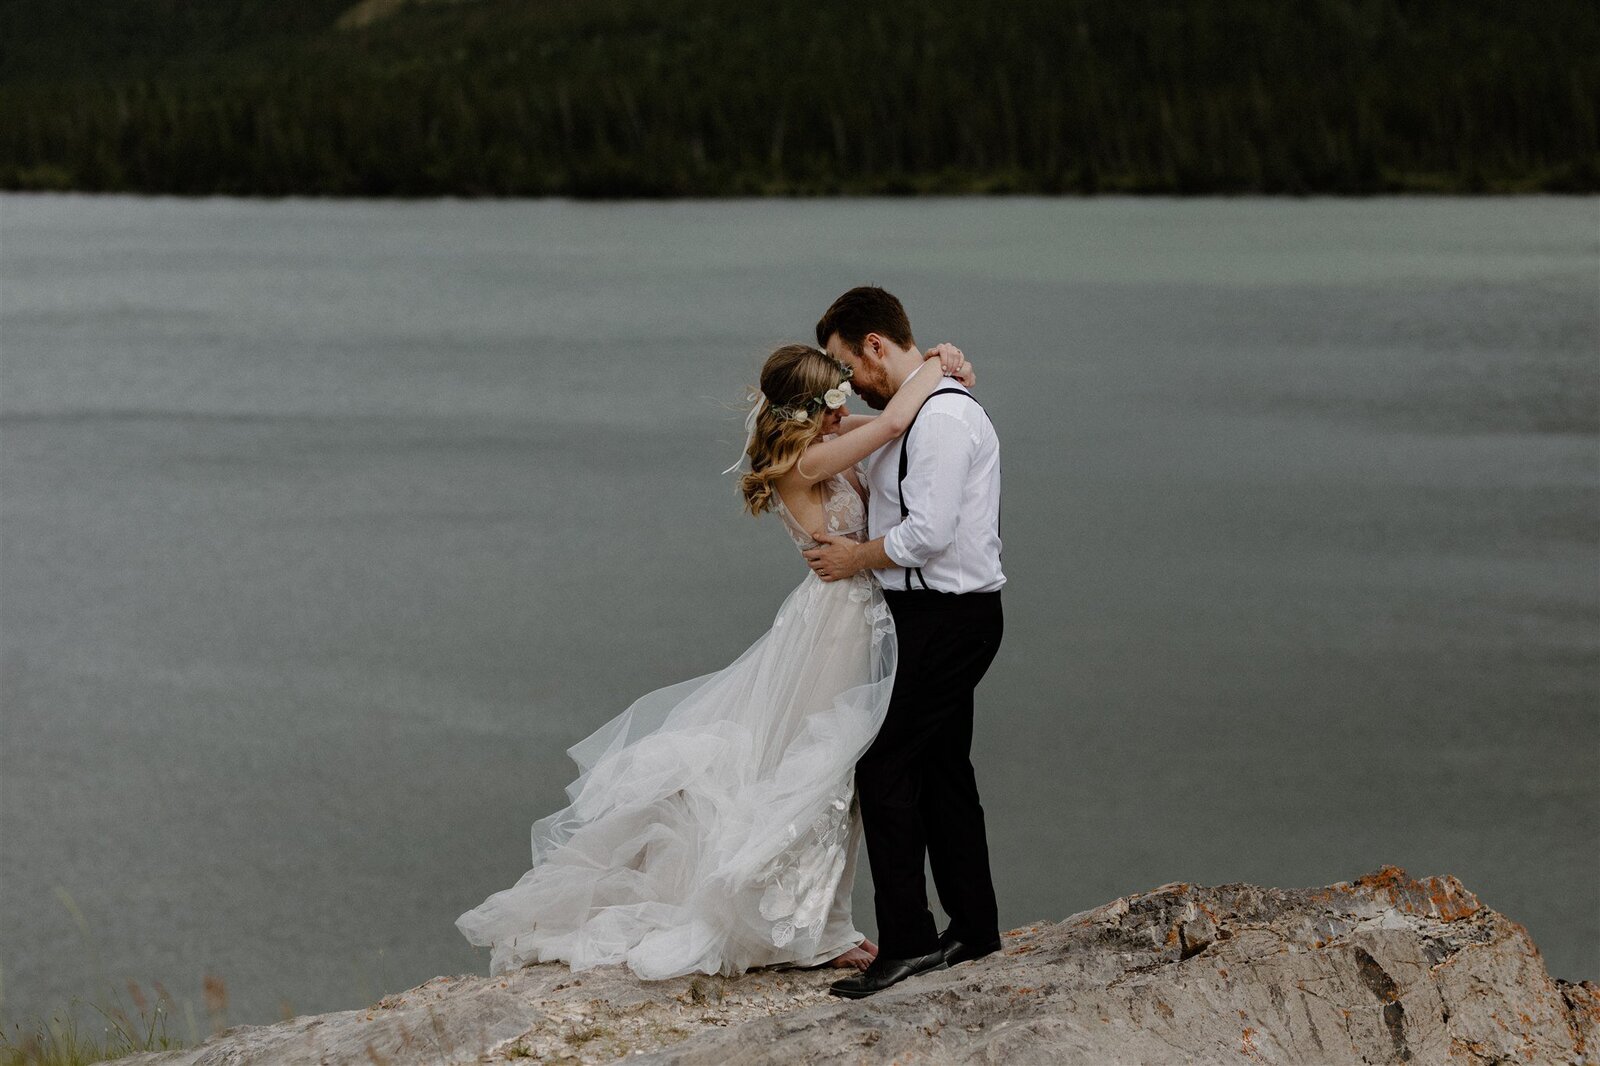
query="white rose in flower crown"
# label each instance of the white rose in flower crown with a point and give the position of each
(801, 415)
(834, 398)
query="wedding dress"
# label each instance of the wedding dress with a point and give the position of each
(713, 826)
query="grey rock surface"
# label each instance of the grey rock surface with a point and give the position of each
(1383, 969)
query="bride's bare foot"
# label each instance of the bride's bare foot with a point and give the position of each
(857, 957)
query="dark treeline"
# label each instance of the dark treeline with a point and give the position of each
(730, 97)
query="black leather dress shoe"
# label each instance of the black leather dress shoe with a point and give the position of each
(959, 951)
(885, 972)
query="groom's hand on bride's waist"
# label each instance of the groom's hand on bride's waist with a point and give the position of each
(836, 558)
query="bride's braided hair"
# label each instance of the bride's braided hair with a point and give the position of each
(792, 375)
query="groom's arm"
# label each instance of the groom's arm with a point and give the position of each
(940, 458)
(935, 476)
(841, 557)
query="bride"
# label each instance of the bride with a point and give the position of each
(713, 826)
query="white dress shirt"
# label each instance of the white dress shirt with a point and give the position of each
(952, 492)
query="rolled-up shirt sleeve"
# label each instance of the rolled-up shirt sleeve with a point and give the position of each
(940, 450)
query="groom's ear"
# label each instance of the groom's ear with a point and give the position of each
(872, 348)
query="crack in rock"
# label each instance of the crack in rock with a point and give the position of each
(1375, 977)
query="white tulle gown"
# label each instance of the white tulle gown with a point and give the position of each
(713, 826)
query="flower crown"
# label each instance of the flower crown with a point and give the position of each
(833, 399)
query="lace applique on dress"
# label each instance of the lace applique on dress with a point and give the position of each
(845, 515)
(843, 512)
(802, 878)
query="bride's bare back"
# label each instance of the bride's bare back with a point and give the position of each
(825, 506)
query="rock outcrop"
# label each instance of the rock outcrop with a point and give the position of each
(1384, 969)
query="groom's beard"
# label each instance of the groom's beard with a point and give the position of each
(873, 398)
(875, 393)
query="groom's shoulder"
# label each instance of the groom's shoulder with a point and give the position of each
(960, 403)
(951, 395)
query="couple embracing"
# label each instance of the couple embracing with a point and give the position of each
(715, 824)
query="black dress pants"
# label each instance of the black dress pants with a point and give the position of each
(919, 798)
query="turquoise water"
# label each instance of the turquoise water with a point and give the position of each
(326, 526)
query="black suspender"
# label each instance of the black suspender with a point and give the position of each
(899, 484)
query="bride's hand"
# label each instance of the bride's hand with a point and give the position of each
(953, 363)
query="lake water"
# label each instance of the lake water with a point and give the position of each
(329, 525)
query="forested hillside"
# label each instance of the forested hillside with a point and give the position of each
(732, 97)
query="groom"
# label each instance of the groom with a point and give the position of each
(933, 514)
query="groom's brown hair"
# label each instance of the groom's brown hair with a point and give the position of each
(863, 310)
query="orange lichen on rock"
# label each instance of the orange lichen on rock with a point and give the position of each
(1439, 897)
(1583, 1005)
(1584, 996)
(1385, 876)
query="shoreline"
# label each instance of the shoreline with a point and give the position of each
(1408, 194)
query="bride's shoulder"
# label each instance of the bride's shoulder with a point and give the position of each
(792, 491)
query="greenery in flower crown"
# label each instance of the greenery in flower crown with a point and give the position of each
(832, 399)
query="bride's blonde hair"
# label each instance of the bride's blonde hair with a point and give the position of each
(792, 376)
